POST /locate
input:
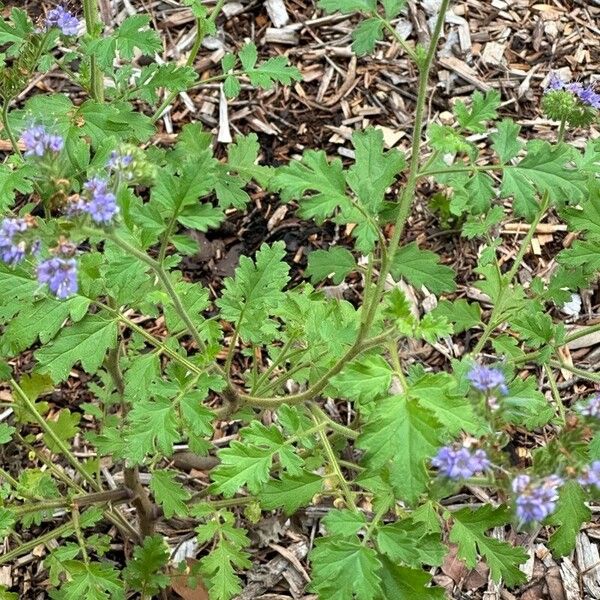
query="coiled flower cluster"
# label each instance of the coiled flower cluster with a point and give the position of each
(38, 141)
(66, 21)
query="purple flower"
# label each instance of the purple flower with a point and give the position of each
(63, 19)
(61, 276)
(591, 408)
(12, 251)
(102, 205)
(487, 379)
(460, 464)
(119, 161)
(38, 141)
(555, 83)
(591, 475)
(535, 502)
(586, 95)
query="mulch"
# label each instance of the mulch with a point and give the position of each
(508, 45)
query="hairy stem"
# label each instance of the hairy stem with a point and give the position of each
(408, 194)
(141, 500)
(556, 394)
(8, 129)
(94, 26)
(498, 306)
(202, 28)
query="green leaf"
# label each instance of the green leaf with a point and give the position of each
(346, 568)
(337, 263)
(43, 320)
(313, 174)
(289, 492)
(153, 428)
(348, 6)
(364, 379)
(344, 523)
(6, 432)
(536, 328)
(65, 427)
(218, 569)
(408, 543)
(92, 581)
(201, 217)
(447, 140)
(249, 463)
(506, 140)
(275, 69)
(7, 520)
(169, 493)
(374, 170)
(403, 583)
(392, 8)
(526, 405)
(402, 434)
(255, 291)
(587, 216)
(468, 531)
(462, 314)
(366, 35)
(437, 392)
(570, 514)
(144, 572)
(545, 169)
(421, 267)
(86, 341)
(483, 109)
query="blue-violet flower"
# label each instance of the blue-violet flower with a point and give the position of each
(60, 274)
(60, 17)
(460, 464)
(535, 502)
(591, 408)
(591, 475)
(38, 141)
(487, 379)
(102, 205)
(12, 251)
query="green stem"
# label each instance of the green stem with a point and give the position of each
(333, 425)
(586, 330)
(562, 131)
(319, 385)
(53, 436)
(333, 461)
(25, 547)
(408, 194)
(7, 128)
(498, 306)
(556, 394)
(465, 169)
(595, 377)
(112, 496)
(202, 28)
(401, 41)
(94, 27)
(281, 357)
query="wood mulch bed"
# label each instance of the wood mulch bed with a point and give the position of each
(509, 45)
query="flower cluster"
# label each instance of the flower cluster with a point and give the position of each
(487, 379)
(121, 163)
(63, 19)
(60, 274)
(535, 501)
(591, 475)
(13, 246)
(586, 94)
(460, 464)
(591, 408)
(38, 141)
(100, 203)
